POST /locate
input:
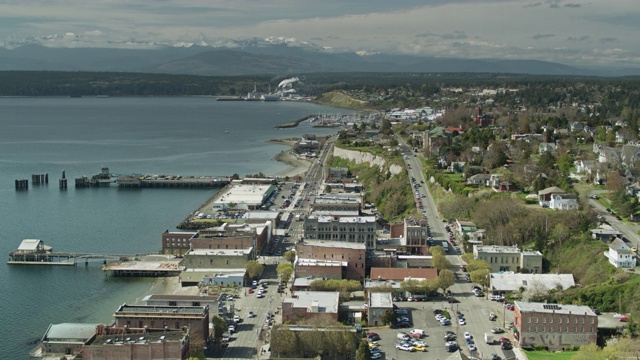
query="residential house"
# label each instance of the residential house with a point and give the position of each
(564, 202)
(630, 155)
(576, 127)
(544, 195)
(554, 326)
(584, 166)
(633, 189)
(605, 232)
(544, 147)
(620, 255)
(479, 179)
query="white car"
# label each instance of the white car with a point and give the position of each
(467, 335)
(237, 319)
(250, 314)
(259, 295)
(472, 347)
(376, 356)
(404, 348)
(461, 322)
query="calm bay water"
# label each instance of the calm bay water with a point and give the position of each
(178, 136)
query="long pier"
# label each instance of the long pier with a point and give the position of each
(61, 258)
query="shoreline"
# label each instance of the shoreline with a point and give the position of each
(298, 166)
(170, 285)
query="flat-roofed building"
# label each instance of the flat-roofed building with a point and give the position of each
(350, 258)
(232, 236)
(243, 197)
(213, 276)
(508, 258)
(354, 229)
(262, 217)
(379, 304)
(140, 344)
(305, 305)
(218, 258)
(513, 282)
(555, 326)
(415, 236)
(177, 242)
(194, 318)
(400, 274)
(339, 204)
(65, 339)
(181, 300)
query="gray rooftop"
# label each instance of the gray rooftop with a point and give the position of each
(327, 301)
(70, 332)
(151, 309)
(380, 300)
(335, 244)
(514, 281)
(348, 219)
(554, 308)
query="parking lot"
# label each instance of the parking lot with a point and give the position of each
(476, 312)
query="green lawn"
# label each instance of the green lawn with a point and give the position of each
(546, 355)
(454, 176)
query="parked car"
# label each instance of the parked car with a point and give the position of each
(472, 347)
(506, 346)
(250, 314)
(403, 336)
(467, 335)
(404, 347)
(376, 356)
(403, 325)
(418, 332)
(624, 319)
(497, 330)
(461, 322)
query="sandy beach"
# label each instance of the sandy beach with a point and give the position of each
(298, 165)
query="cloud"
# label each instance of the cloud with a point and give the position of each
(579, 38)
(542, 36)
(530, 5)
(608, 40)
(455, 35)
(572, 5)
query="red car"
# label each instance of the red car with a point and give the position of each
(504, 340)
(624, 319)
(250, 291)
(512, 307)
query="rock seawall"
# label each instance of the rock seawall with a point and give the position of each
(361, 157)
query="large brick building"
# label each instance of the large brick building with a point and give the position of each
(177, 242)
(231, 236)
(140, 344)
(306, 305)
(217, 259)
(330, 258)
(353, 229)
(194, 318)
(554, 326)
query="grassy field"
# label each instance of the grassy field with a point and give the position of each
(546, 355)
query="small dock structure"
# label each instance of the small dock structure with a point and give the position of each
(147, 266)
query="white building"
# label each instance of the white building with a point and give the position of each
(513, 282)
(244, 197)
(564, 202)
(620, 255)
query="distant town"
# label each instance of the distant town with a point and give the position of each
(488, 219)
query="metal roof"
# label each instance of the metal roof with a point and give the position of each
(70, 332)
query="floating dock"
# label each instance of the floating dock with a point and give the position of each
(35, 252)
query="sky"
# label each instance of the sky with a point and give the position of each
(573, 32)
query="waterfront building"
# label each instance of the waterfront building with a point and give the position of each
(141, 344)
(177, 242)
(65, 339)
(233, 236)
(240, 196)
(217, 258)
(193, 318)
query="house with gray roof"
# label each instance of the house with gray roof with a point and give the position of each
(620, 255)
